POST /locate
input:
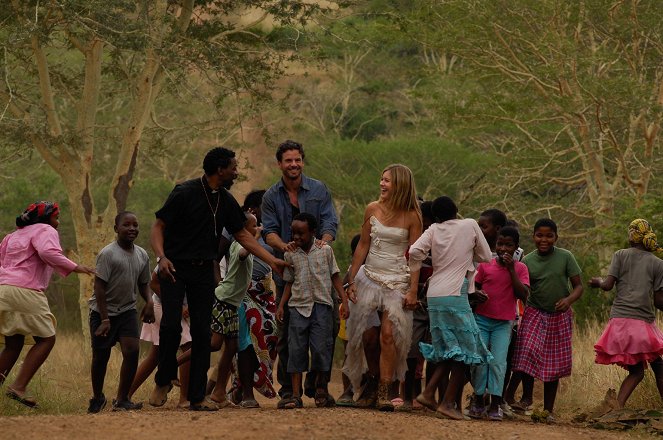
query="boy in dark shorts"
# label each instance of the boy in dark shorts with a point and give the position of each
(308, 294)
(122, 269)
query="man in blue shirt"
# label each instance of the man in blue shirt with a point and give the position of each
(292, 194)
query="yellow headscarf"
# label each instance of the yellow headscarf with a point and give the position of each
(639, 231)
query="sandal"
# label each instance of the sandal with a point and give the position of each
(345, 400)
(496, 415)
(30, 402)
(477, 412)
(292, 402)
(159, 395)
(126, 405)
(522, 408)
(203, 406)
(249, 403)
(96, 405)
(225, 403)
(320, 399)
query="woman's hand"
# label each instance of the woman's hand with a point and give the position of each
(351, 292)
(410, 301)
(84, 269)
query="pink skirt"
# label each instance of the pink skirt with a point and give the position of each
(150, 332)
(627, 341)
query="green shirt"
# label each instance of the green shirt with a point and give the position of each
(238, 276)
(549, 277)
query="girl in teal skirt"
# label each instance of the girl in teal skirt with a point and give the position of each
(455, 244)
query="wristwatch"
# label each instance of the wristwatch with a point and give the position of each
(159, 259)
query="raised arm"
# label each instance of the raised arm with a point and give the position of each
(249, 243)
(606, 283)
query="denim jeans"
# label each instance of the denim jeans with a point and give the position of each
(496, 334)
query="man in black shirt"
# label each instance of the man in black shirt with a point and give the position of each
(185, 238)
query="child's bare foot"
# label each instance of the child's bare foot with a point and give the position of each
(450, 412)
(183, 404)
(427, 401)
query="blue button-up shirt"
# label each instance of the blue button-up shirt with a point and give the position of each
(313, 197)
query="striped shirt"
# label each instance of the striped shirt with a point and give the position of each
(310, 277)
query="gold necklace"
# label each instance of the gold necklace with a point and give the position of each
(214, 211)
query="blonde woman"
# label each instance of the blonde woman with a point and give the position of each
(384, 287)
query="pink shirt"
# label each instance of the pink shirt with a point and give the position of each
(29, 255)
(496, 282)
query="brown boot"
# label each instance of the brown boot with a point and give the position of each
(383, 403)
(369, 394)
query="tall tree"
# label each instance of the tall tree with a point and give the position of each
(570, 93)
(86, 82)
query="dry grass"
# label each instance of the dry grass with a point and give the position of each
(589, 382)
(62, 386)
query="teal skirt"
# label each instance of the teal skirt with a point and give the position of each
(455, 334)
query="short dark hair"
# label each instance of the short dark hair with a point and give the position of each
(545, 223)
(510, 231)
(253, 199)
(512, 223)
(497, 217)
(354, 242)
(120, 215)
(219, 157)
(287, 146)
(444, 209)
(427, 210)
(307, 218)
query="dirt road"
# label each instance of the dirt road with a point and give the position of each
(270, 423)
(307, 423)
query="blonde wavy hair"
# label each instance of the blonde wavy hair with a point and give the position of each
(404, 193)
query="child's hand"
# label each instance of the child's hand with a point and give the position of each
(563, 305)
(279, 314)
(479, 297)
(147, 314)
(507, 260)
(344, 310)
(595, 282)
(103, 328)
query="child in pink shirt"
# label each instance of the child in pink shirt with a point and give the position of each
(500, 282)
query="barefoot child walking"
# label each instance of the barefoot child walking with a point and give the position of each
(150, 333)
(454, 245)
(543, 347)
(122, 269)
(631, 338)
(308, 294)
